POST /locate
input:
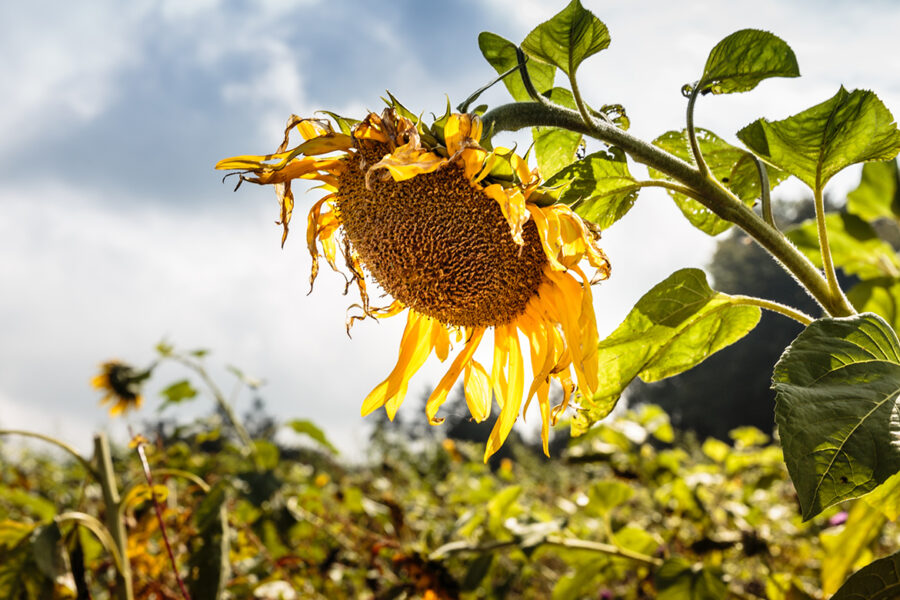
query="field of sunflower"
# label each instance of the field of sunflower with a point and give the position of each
(467, 239)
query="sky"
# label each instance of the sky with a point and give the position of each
(116, 232)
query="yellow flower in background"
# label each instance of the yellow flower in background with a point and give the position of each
(464, 238)
(122, 384)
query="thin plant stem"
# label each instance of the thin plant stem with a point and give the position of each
(159, 518)
(114, 522)
(579, 101)
(777, 307)
(512, 117)
(219, 398)
(51, 440)
(765, 195)
(692, 132)
(825, 248)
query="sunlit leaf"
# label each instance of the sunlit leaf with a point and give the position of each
(879, 580)
(844, 549)
(501, 54)
(309, 429)
(836, 407)
(816, 144)
(604, 496)
(743, 59)
(886, 497)
(721, 158)
(878, 193)
(599, 187)
(678, 579)
(880, 296)
(178, 392)
(554, 147)
(571, 36)
(673, 327)
(855, 246)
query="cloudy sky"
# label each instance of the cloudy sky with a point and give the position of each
(115, 232)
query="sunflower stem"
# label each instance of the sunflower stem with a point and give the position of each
(765, 193)
(512, 117)
(825, 248)
(692, 131)
(777, 307)
(114, 521)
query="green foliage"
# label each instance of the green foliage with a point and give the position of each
(571, 36)
(598, 187)
(816, 144)
(877, 581)
(725, 162)
(501, 54)
(677, 579)
(744, 59)
(836, 389)
(672, 328)
(177, 393)
(554, 147)
(309, 429)
(878, 193)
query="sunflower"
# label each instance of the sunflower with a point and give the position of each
(460, 236)
(122, 384)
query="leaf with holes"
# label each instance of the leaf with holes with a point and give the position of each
(836, 406)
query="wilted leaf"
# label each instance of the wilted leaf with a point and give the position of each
(855, 247)
(836, 408)
(878, 193)
(501, 54)
(743, 59)
(599, 187)
(816, 144)
(674, 327)
(571, 36)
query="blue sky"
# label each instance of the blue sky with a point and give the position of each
(115, 232)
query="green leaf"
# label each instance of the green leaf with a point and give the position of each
(677, 579)
(598, 187)
(47, 551)
(178, 392)
(880, 296)
(571, 36)
(855, 246)
(721, 157)
(477, 570)
(743, 59)
(744, 179)
(673, 327)
(844, 548)
(603, 496)
(879, 580)
(501, 54)
(836, 408)
(878, 193)
(886, 497)
(502, 505)
(555, 148)
(816, 144)
(308, 428)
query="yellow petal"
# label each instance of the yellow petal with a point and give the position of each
(405, 163)
(510, 411)
(415, 346)
(439, 395)
(548, 232)
(544, 403)
(460, 130)
(477, 386)
(512, 204)
(501, 357)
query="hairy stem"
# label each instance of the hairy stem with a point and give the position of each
(825, 248)
(782, 309)
(692, 132)
(512, 117)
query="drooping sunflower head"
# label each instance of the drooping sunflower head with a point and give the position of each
(121, 384)
(461, 235)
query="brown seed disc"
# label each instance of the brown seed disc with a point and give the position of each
(438, 244)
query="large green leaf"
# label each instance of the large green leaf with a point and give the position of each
(836, 406)
(722, 159)
(677, 579)
(571, 36)
(855, 247)
(878, 193)
(743, 59)
(880, 296)
(879, 580)
(501, 54)
(599, 187)
(814, 145)
(674, 327)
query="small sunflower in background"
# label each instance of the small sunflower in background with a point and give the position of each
(462, 237)
(122, 385)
